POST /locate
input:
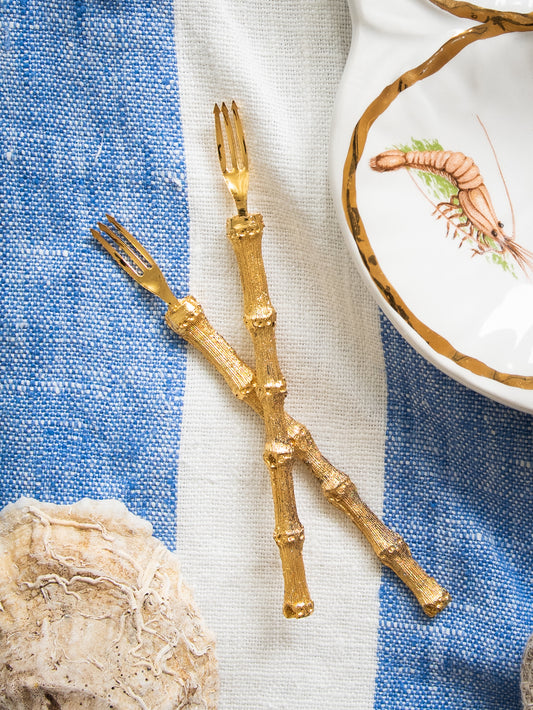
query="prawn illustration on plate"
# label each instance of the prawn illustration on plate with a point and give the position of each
(465, 202)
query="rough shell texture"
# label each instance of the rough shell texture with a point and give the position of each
(94, 614)
(526, 679)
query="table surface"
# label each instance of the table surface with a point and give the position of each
(107, 107)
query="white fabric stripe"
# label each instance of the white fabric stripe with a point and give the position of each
(282, 64)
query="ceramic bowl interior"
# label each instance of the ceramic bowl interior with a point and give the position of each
(433, 186)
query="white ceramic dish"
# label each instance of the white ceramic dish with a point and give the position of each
(423, 78)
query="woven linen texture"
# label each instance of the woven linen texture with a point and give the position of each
(91, 382)
(281, 62)
(459, 484)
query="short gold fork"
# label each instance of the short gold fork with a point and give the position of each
(186, 317)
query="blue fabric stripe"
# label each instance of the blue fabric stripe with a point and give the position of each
(91, 379)
(459, 486)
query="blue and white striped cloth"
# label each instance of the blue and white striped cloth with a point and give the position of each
(107, 107)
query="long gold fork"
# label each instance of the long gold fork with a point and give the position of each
(186, 318)
(245, 232)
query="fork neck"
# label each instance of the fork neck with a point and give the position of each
(242, 207)
(245, 226)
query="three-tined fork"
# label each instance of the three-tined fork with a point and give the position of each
(245, 234)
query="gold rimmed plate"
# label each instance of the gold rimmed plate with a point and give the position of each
(431, 160)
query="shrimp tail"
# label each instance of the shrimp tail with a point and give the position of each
(388, 160)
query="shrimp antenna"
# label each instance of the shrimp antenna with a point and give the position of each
(501, 173)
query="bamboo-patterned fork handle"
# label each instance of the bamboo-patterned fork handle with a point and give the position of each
(187, 318)
(245, 233)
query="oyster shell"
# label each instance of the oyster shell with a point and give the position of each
(526, 676)
(94, 614)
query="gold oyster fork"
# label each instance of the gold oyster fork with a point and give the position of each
(245, 233)
(141, 267)
(186, 318)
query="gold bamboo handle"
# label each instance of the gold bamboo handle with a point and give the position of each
(390, 547)
(187, 319)
(245, 233)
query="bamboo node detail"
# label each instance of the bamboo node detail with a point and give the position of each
(245, 227)
(300, 435)
(397, 549)
(272, 387)
(262, 317)
(288, 537)
(433, 608)
(338, 486)
(298, 610)
(182, 314)
(277, 453)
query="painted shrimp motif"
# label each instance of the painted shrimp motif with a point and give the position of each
(470, 212)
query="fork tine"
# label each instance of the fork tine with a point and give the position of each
(128, 237)
(123, 245)
(115, 255)
(230, 137)
(220, 140)
(240, 135)
(146, 273)
(232, 147)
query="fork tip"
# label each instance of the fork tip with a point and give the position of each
(98, 236)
